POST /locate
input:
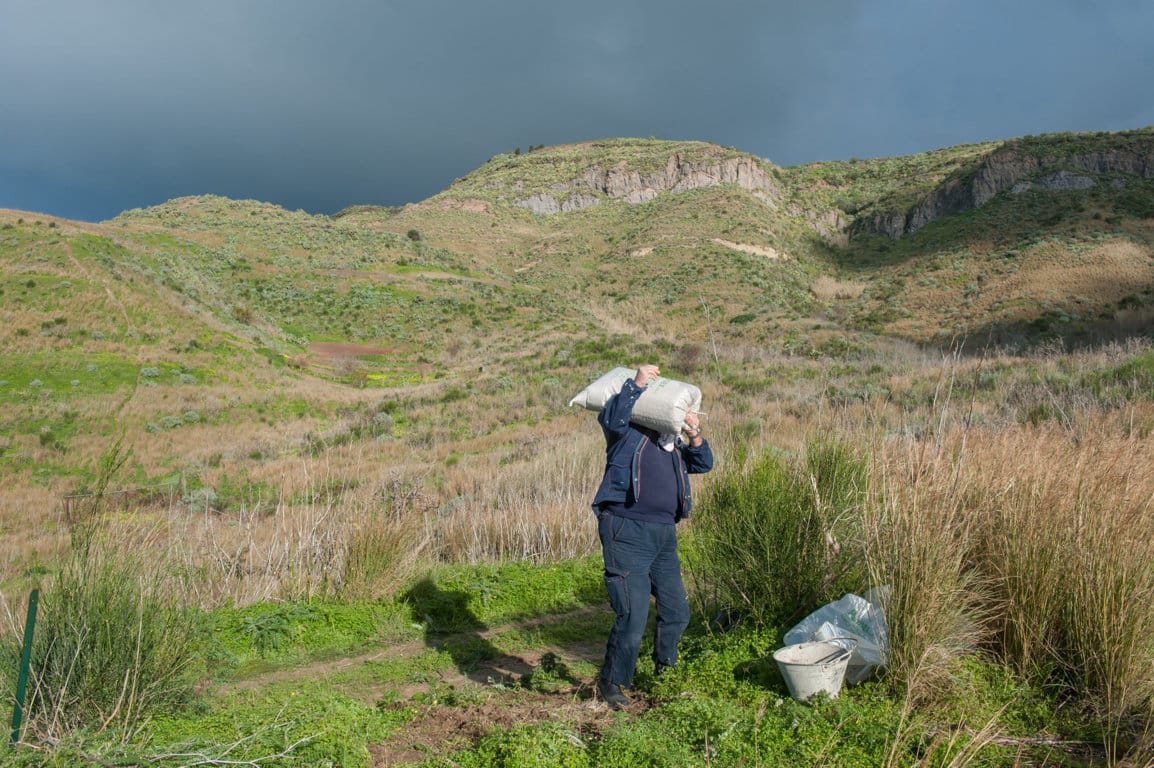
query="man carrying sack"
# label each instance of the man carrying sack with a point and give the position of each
(643, 495)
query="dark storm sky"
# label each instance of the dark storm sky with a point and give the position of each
(118, 104)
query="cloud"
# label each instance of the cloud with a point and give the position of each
(129, 102)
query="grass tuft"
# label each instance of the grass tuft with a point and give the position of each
(776, 539)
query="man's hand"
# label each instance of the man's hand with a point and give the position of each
(693, 429)
(692, 420)
(645, 374)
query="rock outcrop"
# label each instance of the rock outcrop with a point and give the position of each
(1062, 180)
(1013, 169)
(620, 182)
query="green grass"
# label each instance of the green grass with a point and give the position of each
(263, 636)
(726, 699)
(455, 598)
(42, 394)
(446, 600)
(72, 375)
(309, 720)
(44, 293)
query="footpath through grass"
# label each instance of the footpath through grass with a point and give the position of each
(492, 666)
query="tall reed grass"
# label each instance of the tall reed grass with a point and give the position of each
(1065, 540)
(916, 535)
(1032, 543)
(384, 548)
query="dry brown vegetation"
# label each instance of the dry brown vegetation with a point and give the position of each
(1032, 543)
(501, 489)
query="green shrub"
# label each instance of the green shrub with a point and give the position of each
(288, 633)
(110, 649)
(269, 632)
(1135, 377)
(778, 538)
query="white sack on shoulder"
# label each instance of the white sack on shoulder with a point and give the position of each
(661, 407)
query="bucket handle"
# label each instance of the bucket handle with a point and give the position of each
(836, 655)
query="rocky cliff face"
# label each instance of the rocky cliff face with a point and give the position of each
(679, 175)
(1013, 169)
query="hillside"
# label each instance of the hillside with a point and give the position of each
(345, 438)
(1010, 235)
(180, 322)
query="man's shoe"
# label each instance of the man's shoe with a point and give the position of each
(611, 694)
(660, 669)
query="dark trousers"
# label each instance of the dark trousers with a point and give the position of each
(641, 560)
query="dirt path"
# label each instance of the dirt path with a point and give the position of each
(440, 729)
(498, 668)
(457, 707)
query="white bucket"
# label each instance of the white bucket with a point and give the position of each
(812, 668)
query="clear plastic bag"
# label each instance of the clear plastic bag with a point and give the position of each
(854, 618)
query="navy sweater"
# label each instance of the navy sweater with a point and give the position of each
(657, 501)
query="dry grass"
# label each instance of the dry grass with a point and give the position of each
(34, 535)
(533, 507)
(504, 488)
(828, 288)
(912, 532)
(1071, 525)
(1086, 281)
(329, 536)
(328, 533)
(971, 508)
(1031, 542)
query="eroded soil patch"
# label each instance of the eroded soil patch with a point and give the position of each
(441, 730)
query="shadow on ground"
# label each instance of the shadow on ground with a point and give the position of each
(452, 627)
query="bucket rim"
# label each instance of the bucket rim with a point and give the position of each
(839, 653)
